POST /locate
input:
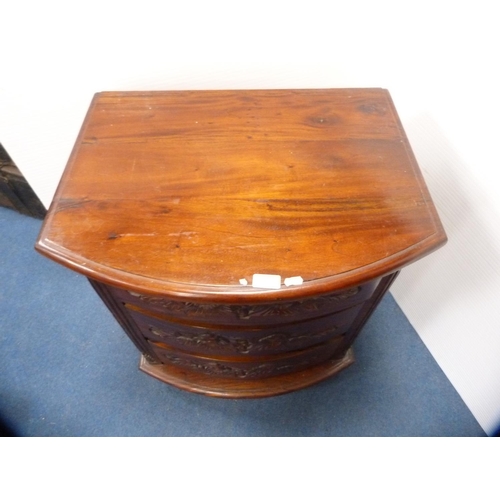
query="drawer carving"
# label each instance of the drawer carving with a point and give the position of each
(254, 340)
(281, 309)
(270, 313)
(210, 340)
(219, 369)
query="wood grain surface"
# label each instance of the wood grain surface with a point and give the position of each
(183, 194)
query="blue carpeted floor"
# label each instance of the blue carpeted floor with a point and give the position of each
(67, 369)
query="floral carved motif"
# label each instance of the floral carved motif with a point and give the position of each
(246, 311)
(218, 369)
(214, 341)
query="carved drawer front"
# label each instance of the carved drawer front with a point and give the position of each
(245, 341)
(249, 367)
(273, 313)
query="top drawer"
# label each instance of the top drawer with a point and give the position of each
(272, 313)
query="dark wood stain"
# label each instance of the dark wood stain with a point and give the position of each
(170, 198)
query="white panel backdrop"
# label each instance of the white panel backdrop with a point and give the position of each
(438, 59)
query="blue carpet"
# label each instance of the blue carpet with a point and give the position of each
(67, 369)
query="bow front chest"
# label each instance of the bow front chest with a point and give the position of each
(241, 238)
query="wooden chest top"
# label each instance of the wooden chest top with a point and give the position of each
(185, 193)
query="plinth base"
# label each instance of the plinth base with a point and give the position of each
(233, 388)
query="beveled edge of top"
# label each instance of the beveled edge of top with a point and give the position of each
(239, 293)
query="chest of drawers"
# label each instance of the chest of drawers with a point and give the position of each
(171, 202)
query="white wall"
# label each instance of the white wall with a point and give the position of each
(438, 59)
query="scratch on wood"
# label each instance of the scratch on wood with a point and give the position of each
(70, 203)
(114, 236)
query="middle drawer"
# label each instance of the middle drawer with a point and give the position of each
(240, 340)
